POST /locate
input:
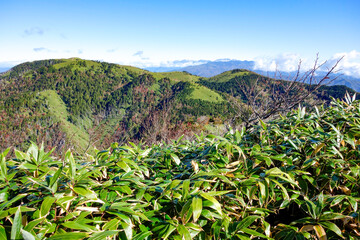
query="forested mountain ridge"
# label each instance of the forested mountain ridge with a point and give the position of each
(228, 82)
(79, 103)
(74, 100)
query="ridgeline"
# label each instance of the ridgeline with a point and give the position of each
(75, 103)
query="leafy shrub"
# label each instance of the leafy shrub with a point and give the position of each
(293, 178)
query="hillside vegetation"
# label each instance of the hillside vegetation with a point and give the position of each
(79, 104)
(293, 178)
(228, 82)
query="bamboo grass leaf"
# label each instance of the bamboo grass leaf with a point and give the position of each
(103, 235)
(2, 233)
(197, 208)
(184, 233)
(216, 205)
(16, 226)
(332, 227)
(69, 236)
(26, 235)
(320, 232)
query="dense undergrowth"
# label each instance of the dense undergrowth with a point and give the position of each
(293, 178)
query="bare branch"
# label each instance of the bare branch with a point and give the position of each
(266, 97)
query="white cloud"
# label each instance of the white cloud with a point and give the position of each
(39, 49)
(286, 62)
(43, 49)
(145, 62)
(350, 64)
(139, 53)
(178, 63)
(33, 31)
(183, 63)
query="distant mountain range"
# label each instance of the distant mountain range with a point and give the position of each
(208, 69)
(213, 68)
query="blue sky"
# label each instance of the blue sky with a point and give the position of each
(157, 32)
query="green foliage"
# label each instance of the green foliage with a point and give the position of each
(181, 76)
(205, 94)
(75, 103)
(229, 75)
(294, 178)
(228, 82)
(57, 111)
(59, 101)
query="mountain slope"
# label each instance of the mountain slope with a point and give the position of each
(86, 101)
(228, 82)
(75, 103)
(58, 112)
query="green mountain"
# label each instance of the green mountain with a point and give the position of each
(228, 82)
(75, 103)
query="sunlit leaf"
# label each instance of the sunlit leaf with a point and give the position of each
(16, 226)
(197, 208)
